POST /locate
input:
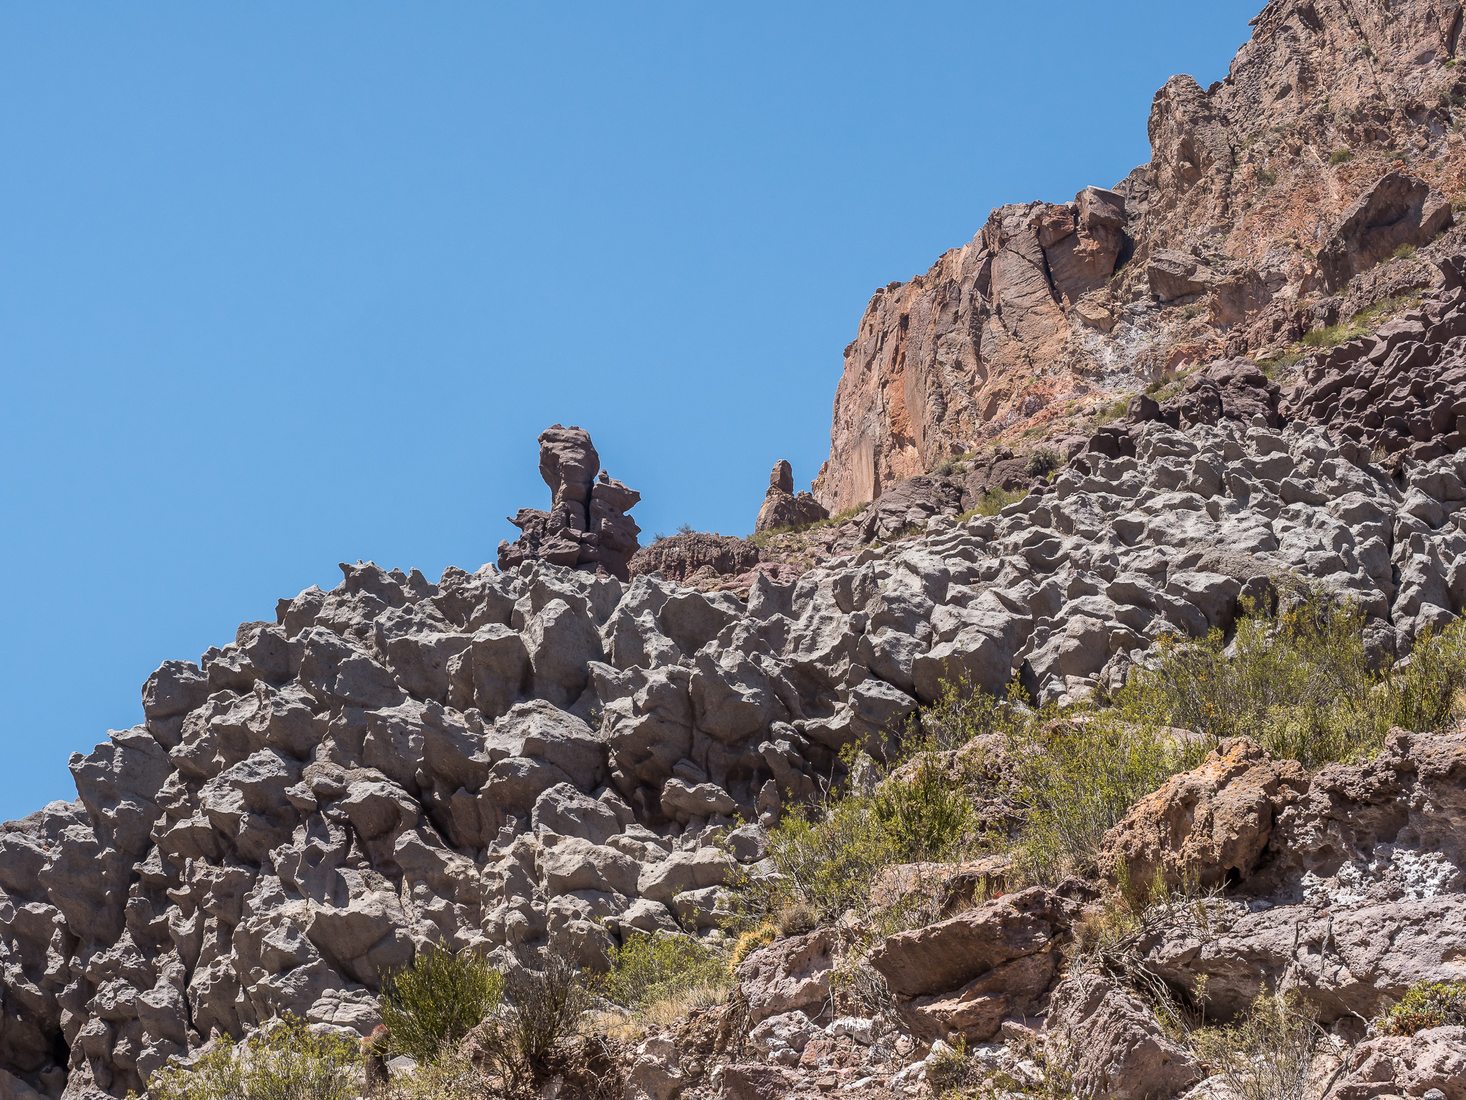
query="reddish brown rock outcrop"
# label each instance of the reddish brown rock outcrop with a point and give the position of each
(587, 526)
(782, 507)
(964, 975)
(1204, 828)
(1282, 181)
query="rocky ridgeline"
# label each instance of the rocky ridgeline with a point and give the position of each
(1334, 142)
(540, 757)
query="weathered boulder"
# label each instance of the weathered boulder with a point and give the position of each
(1204, 828)
(1118, 1049)
(1398, 209)
(965, 974)
(1430, 1061)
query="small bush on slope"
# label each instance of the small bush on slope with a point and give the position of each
(287, 1061)
(651, 968)
(1075, 779)
(430, 1006)
(1268, 1054)
(534, 1034)
(1434, 1004)
(1300, 685)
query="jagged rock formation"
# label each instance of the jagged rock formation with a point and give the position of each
(587, 526)
(1263, 192)
(782, 507)
(1401, 389)
(537, 757)
(553, 755)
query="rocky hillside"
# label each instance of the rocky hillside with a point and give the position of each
(551, 758)
(1260, 216)
(1157, 871)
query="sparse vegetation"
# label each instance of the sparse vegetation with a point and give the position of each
(1041, 1069)
(1268, 1054)
(529, 1038)
(430, 1006)
(953, 464)
(1434, 1004)
(1112, 412)
(1362, 323)
(1404, 252)
(648, 968)
(1341, 156)
(1328, 336)
(826, 858)
(283, 1061)
(763, 538)
(1301, 685)
(1043, 462)
(1075, 779)
(992, 502)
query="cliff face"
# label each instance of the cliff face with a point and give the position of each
(1217, 247)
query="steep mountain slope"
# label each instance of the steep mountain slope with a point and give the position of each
(1233, 238)
(551, 758)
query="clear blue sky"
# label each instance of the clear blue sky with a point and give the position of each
(283, 285)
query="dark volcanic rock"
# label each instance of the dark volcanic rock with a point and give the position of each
(587, 526)
(682, 557)
(1401, 390)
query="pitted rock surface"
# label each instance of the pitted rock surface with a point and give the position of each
(538, 757)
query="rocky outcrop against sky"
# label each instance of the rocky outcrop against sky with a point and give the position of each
(587, 526)
(1329, 146)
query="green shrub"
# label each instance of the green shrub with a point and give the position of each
(432, 1004)
(1434, 1004)
(452, 1076)
(649, 968)
(963, 713)
(1301, 685)
(1404, 252)
(1329, 336)
(1341, 156)
(827, 857)
(1075, 779)
(1268, 1054)
(1043, 462)
(922, 813)
(992, 502)
(286, 1061)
